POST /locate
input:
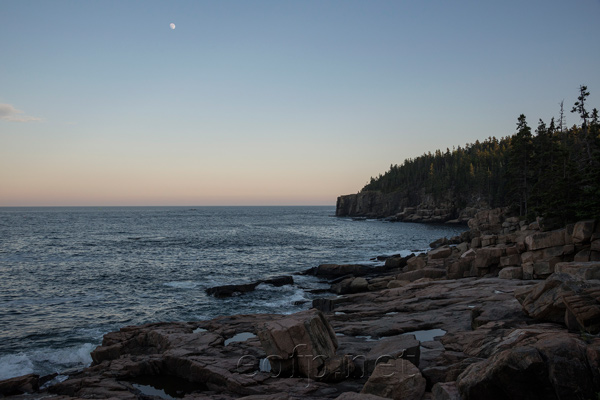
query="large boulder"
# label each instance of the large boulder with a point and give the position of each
(233, 290)
(415, 263)
(510, 260)
(463, 268)
(583, 310)
(582, 231)
(303, 343)
(440, 252)
(544, 240)
(544, 300)
(396, 379)
(563, 298)
(580, 270)
(395, 262)
(550, 366)
(351, 285)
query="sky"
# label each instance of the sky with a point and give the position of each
(268, 102)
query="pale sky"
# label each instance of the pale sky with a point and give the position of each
(268, 102)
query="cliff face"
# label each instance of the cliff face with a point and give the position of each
(370, 204)
(398, 207)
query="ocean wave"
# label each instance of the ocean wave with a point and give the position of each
(181, 284)
(45, 361)
(286, 297)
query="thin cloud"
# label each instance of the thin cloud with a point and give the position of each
(11, 114)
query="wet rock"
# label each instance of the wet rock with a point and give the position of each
(19, 385)
(438, 243)
(396, 262)
(232, 290)
(327, 304)
(337, 270)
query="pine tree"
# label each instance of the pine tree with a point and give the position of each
(519, 166)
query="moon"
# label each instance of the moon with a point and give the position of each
(172, 25)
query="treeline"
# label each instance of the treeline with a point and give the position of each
(554, 173)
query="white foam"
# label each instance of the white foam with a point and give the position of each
(15, 365)
(45, 361)
(181, 284)
(54, 381)
(288, 300)
(271, 288)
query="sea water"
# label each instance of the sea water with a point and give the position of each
(70, 275)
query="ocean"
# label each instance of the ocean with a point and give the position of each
(69, 275)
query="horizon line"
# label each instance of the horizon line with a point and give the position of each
(187, 206)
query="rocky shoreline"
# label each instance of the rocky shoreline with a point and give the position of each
(506, 310)
(397, 207)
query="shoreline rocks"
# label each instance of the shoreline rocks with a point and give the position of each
(509, 310)
(234, 290)
(398, 207)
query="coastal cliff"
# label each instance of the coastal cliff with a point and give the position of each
(370, 204)
(397, 206)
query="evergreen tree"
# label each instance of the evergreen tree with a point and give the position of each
(520, 156)
(555, 173)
